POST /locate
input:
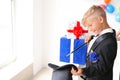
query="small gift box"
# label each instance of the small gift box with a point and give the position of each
(93, 57)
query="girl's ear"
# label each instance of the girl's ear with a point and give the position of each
(100, 18)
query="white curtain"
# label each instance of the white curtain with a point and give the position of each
(6, 32)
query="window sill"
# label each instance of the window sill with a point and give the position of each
(10, 71)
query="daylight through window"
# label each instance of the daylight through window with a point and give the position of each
(6, 33)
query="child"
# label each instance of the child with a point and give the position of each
(102, 49)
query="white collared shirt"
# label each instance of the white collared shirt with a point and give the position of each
(108, 30)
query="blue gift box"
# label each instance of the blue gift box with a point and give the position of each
(93, 57)
(64, 49)
(79, 56)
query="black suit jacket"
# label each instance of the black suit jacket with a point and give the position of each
(106, 51)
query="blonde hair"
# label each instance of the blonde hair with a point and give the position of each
(94, 11)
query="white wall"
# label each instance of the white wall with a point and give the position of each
(24, 29)
(116, 69)
(37, 35)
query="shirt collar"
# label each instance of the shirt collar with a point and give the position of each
(108, 30)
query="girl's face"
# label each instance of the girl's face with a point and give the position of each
(94, 24)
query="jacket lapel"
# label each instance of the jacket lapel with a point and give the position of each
(100, 39)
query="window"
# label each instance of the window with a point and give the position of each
(6, 33)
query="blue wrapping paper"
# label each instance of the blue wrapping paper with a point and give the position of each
(93, 57)
(64, 49)
(79, 56)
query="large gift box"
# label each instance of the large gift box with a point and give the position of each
(79, 56)
(68, 45)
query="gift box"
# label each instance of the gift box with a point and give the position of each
(79, 56)
(93, 57)
(70, 45)
(64, 49)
